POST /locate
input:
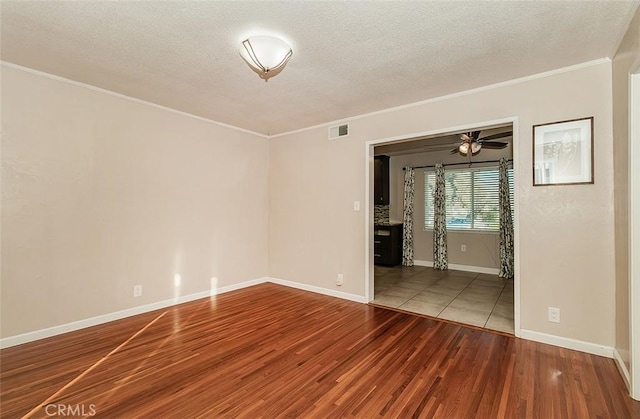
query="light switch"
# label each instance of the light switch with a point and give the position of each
(356, 205)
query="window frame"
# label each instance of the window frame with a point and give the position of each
(473, 229)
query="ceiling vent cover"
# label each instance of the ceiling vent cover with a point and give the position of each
(338, 131)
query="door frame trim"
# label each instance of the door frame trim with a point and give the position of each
(368, 194)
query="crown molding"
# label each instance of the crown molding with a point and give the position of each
(536, 76)
(129, 98)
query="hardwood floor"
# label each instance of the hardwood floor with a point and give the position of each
(271, 351)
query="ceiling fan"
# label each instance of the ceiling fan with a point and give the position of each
(471, 143)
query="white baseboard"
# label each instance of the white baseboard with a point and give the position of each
(239, 285)
(423, 263)
(319, 290)
(577, 345)
(622, 367)
(466, 268)
(105, 318)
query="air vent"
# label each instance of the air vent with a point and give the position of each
(338, 131)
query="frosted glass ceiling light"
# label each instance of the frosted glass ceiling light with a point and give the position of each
(265, 55)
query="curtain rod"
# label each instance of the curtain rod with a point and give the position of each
(459, 164)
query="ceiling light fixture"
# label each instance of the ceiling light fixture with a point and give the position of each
(464, 148)
(468, 144)
(266, 55)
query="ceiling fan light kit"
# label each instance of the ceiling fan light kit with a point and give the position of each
(266, 55)
(470, 142)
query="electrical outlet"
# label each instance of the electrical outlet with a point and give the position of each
(554, 315)
(137, 290)
(463, 247)
(340, 279)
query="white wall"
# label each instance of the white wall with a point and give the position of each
(100, 193)
(566, 232)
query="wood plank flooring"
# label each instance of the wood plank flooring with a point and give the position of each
(271, 351)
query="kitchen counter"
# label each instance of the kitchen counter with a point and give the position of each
(387, 224)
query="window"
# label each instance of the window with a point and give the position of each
(471, 197)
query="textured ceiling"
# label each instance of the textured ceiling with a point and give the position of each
(349, 58)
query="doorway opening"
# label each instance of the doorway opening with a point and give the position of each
(470, 290)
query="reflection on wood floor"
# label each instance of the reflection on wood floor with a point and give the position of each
(271, 351)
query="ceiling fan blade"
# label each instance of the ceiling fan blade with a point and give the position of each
(455, 150)
(496, 136)
(494, 144)
(475, 135)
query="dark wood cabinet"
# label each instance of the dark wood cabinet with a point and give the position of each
(387, 245)
(381, 180)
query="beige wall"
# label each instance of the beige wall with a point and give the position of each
(100, 193)
(628, 54)
(566, 232)
(482, 249)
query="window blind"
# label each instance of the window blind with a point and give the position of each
(472, 198)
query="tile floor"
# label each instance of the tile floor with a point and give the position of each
(477, 299)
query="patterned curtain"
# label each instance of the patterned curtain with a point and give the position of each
(439, 222)
(407, 216)
(506, 224)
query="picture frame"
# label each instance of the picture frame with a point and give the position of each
(563, 152)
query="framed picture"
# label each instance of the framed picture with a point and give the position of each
(563, 152)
